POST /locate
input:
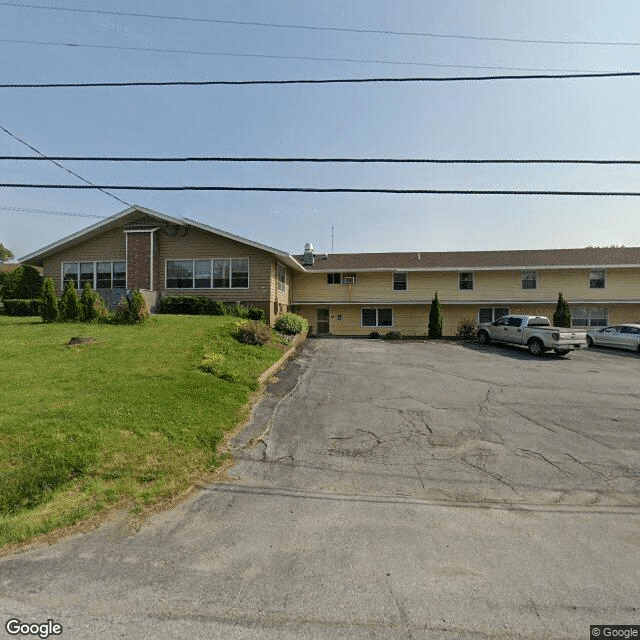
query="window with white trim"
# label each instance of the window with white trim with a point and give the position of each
(400, 281)
(282, 278)
(529, 279)
(491, 314)
(216, 273)
(333, 278)
(596, 279)
(382, 317)
(465, 280)
(99, 275)
(589, 317)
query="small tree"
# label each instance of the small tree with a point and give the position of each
(435, 318)
(23, 283)
(5, 254)
(69, 304)
(49, 309)
(92, 306)
(562, 314)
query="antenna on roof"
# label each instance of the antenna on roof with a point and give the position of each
(332, 235)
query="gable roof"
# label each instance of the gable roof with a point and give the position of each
(132, 212)
(478, 260)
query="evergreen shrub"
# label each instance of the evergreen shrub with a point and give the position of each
(435, 319)
(49, 310)
(23, 283)
(69, 304)
(291, 323)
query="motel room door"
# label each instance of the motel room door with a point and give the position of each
(322, 321)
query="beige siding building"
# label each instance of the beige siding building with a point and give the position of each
(342, 294)
(356, 294)
(164, 256)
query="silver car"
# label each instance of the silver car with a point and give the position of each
(621, 336)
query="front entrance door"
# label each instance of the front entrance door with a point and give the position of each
(322, 321)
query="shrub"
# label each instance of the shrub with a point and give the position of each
(23, 283)
(22, 307)
(49, 309)
(92, 306)
(435, 319)
(217, 307)
(131, 309)
(189, 305)
(467, 329)
(254, 332)
(393, 335)
(562, 314)
(291, 323)
(374, 334)
(237, 310)
(255, 313)
(69, 304)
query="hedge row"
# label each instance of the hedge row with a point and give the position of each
(29, 307)
(203, 306)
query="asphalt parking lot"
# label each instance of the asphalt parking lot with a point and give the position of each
(383, 490)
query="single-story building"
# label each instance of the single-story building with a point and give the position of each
(162, 256)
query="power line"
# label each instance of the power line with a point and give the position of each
(273, 25)
(324, 160)
(48, 212)
(90, 184)
(485, 192)
(187, 83)
(269, 56)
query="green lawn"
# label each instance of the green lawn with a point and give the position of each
(131, 418)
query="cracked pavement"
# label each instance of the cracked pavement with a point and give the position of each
(383, 490)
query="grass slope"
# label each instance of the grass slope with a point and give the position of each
(129, 418)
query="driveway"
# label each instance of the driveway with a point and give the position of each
(383, 490)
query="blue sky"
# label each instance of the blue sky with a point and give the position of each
(502, 119)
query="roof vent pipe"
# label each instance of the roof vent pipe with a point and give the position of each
(308, 254)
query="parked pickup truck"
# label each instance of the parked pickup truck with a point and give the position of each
(535, 332)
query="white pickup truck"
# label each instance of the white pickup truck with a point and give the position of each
(535, 332)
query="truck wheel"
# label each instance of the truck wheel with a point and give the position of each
(483, 337)
(536, 347)
(589, 341)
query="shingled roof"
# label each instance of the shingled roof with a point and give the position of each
(477, 260)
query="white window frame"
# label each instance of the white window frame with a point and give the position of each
(536, 279)
(493, 313)
(95, 272)
(282, 281)
(473, 280)
(210, 287)
(377, 325)
(588, 311)
(604, 278)
(406, 280)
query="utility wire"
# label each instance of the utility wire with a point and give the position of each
(323, 160)
(48, 212)
(90, 184)
(269, 56)
(187, 83)
(483, 192)
(273, 25)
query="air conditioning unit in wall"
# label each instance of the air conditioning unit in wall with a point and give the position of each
(349, 280)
